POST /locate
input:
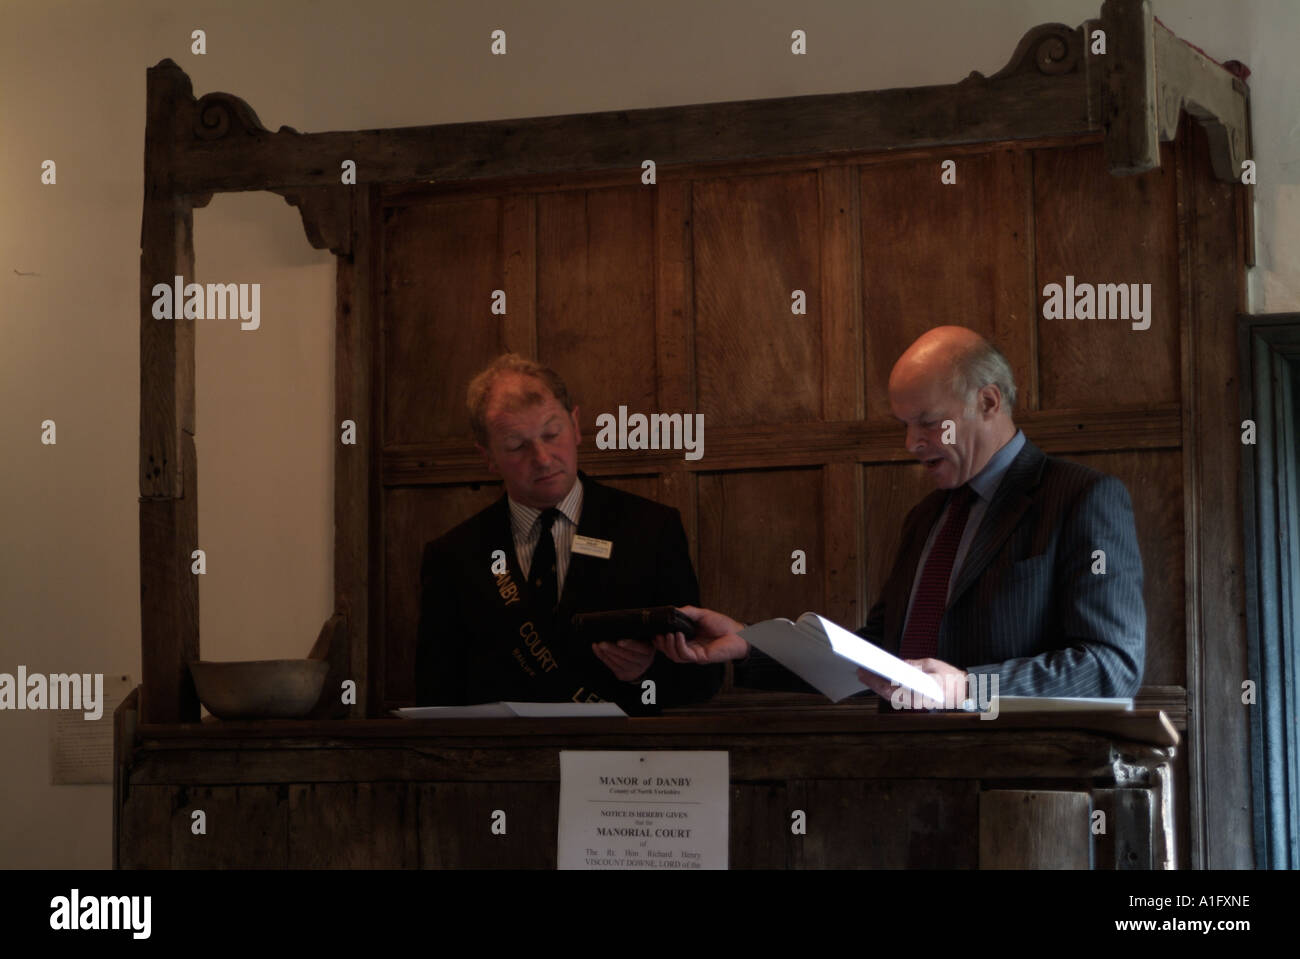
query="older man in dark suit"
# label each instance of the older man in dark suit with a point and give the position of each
(1019, 565)
(498, 591)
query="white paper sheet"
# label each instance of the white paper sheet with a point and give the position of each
(659, 809)
(512, 711)
(824, 654)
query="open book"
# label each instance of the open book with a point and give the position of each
(825, 655)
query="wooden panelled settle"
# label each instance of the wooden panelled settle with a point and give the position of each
(677, 296)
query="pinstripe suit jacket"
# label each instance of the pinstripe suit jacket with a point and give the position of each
(1026, 604)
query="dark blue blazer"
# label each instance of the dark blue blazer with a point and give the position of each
(470, 650)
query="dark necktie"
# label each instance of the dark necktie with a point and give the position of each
(542, 572)
(921, 638)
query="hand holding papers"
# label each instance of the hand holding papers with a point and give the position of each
(823, 655)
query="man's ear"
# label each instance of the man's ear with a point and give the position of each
(577, 433)
(990, 399)
(487, 458)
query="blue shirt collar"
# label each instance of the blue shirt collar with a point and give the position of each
(986, 481)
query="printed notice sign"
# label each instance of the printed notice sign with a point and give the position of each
(643, 810)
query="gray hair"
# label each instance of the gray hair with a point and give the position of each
(979, 367)
(480, 389)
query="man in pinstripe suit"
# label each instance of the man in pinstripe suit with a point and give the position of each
(1019, 564)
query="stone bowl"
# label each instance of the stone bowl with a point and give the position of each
(260, 689)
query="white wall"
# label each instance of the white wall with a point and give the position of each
(72, 82)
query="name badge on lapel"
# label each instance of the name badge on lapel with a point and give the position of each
(591, 546)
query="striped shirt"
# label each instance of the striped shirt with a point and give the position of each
(524, 526)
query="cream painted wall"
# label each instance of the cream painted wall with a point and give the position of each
(72, 89)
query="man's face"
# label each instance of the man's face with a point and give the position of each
(922, 402)
(533, 445)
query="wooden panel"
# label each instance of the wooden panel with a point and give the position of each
(890, 493)
(455, 825)
(811, 444)
(352, 826)
(901, 823)
(596, 298)
(519, 276)
(1023, 829)
(413, 517)
(674, 296)
(1104, 229)
(756, 240)
(1215, 291)
(841, 294)
(1155, 485)
(935, 253)
(760, 827)
(843, 530)
(247, 828)
(145, 823)
(442, 262)
(647, 486)
(1128, 840)
(750, 523)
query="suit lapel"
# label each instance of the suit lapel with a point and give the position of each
(1010, 501)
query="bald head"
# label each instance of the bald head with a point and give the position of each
(952, 375)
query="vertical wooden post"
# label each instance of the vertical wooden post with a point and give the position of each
(1129, 88)
(169, 592)
(355, 498)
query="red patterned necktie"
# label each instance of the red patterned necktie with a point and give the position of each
(921, 638)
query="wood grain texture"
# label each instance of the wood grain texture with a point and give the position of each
(936, 253)
(812, 444)
(756, 241)
(456, 819)
(1128, 840)
(442, 262)
(356, 466)
(413, 517)
(145, 830)
(169, 599)
(247, 827)
(365, 825)
(1012, 105)
(166, 251)
(1217, 661)
(894, 824)
(519, 277)
(596, 298)
(760, 827)
(1104, 229)
(1028, 829)
(750, 524)
(1129, 104)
